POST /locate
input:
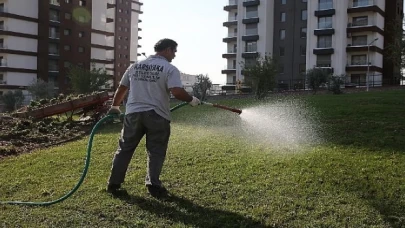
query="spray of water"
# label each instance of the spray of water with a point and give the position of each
(280, 124)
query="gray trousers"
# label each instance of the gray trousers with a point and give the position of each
(136, 125)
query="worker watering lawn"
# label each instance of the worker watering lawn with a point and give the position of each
(148, 83)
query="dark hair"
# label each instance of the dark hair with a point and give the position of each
(162, 44)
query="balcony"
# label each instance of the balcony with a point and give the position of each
(324, 28)
(251, 35)
(53, 68)
(361, 66)
(251, 18)
(363, 48)
(54, 2)
(230, 38)
(229, 70)
(232, 4)
(251, 3)
(325, 9)
(230, 53)
(364, 6)
(250, 52)
(323, 48)
(231, 21)
(3, 63)
(54, 35)
(367, 25)
(111, 4)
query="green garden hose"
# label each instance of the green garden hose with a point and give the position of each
(87, 162)
(85, 170)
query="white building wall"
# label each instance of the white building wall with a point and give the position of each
(98, 53)
(99, 14)
(28, 8)
(20, 43)
(339, 39)
(134, 34)
(99, 39)
(20, 26)
(19, 79)
(20, 61)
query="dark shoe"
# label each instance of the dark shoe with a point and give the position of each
(157, 191)
(114, 189)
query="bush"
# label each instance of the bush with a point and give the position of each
(315, 77)
(12, 99)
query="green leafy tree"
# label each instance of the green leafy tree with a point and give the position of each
(87, 81)
(335, 83)
(261, 75)
(395, 50)
(315, 77)
(40, 89)
(201, 86)
(12, 99)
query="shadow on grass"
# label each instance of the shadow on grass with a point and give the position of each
(181, 210)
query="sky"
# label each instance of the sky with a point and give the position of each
(196, 25)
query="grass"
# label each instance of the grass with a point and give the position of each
(354, 179)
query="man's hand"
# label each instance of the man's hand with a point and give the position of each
(195, 101)
(114, 110)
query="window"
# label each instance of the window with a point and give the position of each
(125, 47)
(1, 7)
(323, 60)
(67, 1)
(1, 77)
(81, 34)
(282, 34)
(281, 69)
(324, 41)
(68, 16)
(67, 32)
(66, 47)
(359, 40)
(66, 64)
(82, 3)
(359, 60)
(53, 49)
(303, 50)
(302, 68)
(283, 2)
(81, 49)
(304, 15)
(303, 32)
(1, 25)
(54, 32)
(359, 79)
(282, 17)
(251, 47)
(251, 29)
(126, 29)
(119, 19)
(251, 11)
(282, 51)
(53, 15)
(53, 65)
(360, 21)
(81, 19)
(1, 43)
(326, 4)
(357, 3)
(324, 22)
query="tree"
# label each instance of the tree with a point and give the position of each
(261, 75)
(12, 100)
(87, 81)
(395, 49)
(201, 86)
(315, 77)
(335, 83)
(41, 89)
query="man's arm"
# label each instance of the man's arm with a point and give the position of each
(119, 95)
(181, 94)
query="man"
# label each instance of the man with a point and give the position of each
(147, 113)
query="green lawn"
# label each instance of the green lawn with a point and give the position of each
(354, 178)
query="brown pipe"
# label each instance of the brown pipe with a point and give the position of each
(224, 107)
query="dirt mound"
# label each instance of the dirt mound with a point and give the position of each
(25, 135)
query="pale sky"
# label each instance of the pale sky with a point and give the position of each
(196, 25)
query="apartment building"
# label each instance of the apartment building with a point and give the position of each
(258, 27)
(42, 38)
(336, 35)
(348, 38)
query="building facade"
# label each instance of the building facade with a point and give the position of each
(349, 37)
(40, 39)
(336, 35)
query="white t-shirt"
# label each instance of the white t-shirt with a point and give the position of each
(149, 82)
